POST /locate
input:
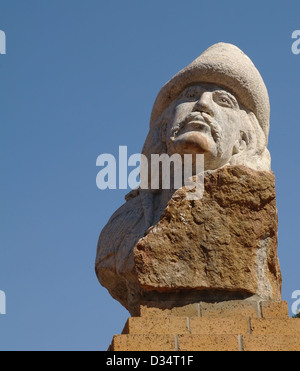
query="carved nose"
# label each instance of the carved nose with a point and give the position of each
(204, 104)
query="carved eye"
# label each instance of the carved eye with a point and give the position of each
(191, 94)
(188, 95)
(224, 100)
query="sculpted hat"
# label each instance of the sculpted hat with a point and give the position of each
(227, 66)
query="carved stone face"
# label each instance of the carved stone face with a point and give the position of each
(205, 120)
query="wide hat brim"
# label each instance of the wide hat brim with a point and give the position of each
(227, 66)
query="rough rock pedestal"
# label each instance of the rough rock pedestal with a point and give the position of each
(222, 246)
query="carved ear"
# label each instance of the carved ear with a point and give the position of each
(241, 144)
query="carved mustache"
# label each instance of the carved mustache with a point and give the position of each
(201, 117)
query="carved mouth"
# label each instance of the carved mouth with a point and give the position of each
(195, 121)
(193, 125)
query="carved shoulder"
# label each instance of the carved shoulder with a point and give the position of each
(125, 227)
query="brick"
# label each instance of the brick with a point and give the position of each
(209, 325)
(155, 325)
(230, 309)
(273, 309)
(208, 342)
(268, 326)
(151, 309)
(271, 343)
(143, 343)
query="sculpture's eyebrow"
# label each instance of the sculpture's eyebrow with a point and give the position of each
(192, 88)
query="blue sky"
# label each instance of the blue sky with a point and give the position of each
(79, 79)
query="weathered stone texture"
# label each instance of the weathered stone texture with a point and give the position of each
(225, 242)
(221, 247)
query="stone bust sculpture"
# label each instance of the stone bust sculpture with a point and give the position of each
(217, 106)
(226, 81)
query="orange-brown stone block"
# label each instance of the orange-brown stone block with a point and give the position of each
(225, 326)
(271, 343)
(266, 326)
(143, 343)
(271, 309)
(231, 308)
(150, 309)
(208, 343)
(160, 326)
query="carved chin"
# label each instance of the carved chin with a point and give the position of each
(193, 143)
